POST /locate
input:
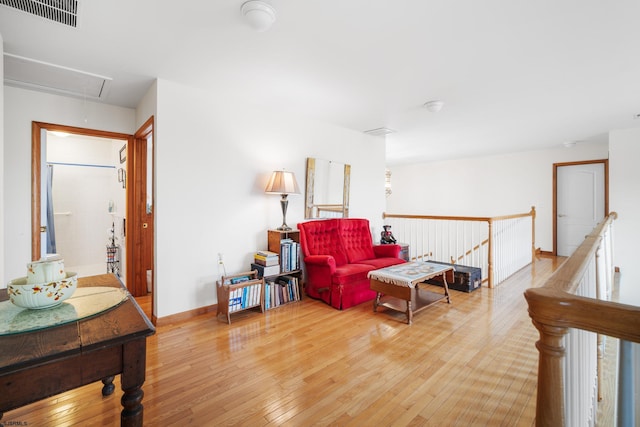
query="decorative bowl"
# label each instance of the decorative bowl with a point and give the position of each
(41, 295)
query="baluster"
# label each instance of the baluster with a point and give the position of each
(550, 398)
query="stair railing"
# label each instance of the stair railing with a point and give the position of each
(499, 246)
(569, 311)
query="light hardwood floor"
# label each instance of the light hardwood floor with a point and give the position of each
(470, 363)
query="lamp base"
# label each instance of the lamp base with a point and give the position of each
(283, 204)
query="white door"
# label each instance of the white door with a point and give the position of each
(580, 204)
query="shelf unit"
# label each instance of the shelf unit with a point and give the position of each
(239, 292)
(274, 244)
(113, 253)
(287, 268)
(113, 259)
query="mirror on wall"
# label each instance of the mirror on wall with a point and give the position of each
(327, 189)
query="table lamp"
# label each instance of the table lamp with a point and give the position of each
(283, 183)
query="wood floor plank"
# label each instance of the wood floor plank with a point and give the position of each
(471, 362)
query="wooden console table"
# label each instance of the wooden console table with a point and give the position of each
(42, 363)
(400, 286)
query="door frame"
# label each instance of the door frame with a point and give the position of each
(36, 164)
(136, 176)
(605, 162)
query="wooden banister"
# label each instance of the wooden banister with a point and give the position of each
(556, 307)
(553, 308)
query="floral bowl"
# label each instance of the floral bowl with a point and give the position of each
(41, 295)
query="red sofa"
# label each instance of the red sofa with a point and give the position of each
(338, 254)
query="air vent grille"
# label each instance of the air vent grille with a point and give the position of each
(61, 11)
(379, 131)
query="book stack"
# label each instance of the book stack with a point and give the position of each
(247, 296)
(289, 255)
(266, 263)
(281, 291)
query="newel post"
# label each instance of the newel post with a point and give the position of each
(550, 399)
(533, 234)
(490, 257)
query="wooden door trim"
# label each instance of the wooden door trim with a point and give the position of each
(134, 222)
(555, 193)
(36, 164)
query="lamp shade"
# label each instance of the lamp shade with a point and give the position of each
(282, 182)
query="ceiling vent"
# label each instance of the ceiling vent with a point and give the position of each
(61, 11)
(379, 131)
(42, 76)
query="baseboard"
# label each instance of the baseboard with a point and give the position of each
(185, 315)
(543, 253)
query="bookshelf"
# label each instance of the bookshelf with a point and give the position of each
(240, 292)
(280, 290)
(284, 287)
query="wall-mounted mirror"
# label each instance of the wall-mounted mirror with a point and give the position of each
(327, 189)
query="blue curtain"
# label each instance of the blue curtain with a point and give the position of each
(51, 231)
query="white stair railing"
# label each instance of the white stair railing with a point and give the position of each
(499, 246)
(513, 244)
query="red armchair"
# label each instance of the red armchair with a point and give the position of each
(338, 254)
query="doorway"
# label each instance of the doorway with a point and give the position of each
(140, 202)
(85, 203)
(580, 202)
(129, 159)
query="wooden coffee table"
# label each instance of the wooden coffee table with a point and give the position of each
(397, 287)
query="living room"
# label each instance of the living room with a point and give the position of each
(215, 151)
(217, 146)
(208, 139)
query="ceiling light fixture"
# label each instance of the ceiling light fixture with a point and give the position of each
(569, 144)
(434, 106)
(259, 15)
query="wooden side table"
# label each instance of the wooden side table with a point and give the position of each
(42, 363)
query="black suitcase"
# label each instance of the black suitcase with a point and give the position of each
(465, 278)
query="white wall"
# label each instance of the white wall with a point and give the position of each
(487, 186)
(23, 107)
(148, 106)
(213, 159)
(625, 200)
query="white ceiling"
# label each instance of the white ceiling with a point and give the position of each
(514, 74)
